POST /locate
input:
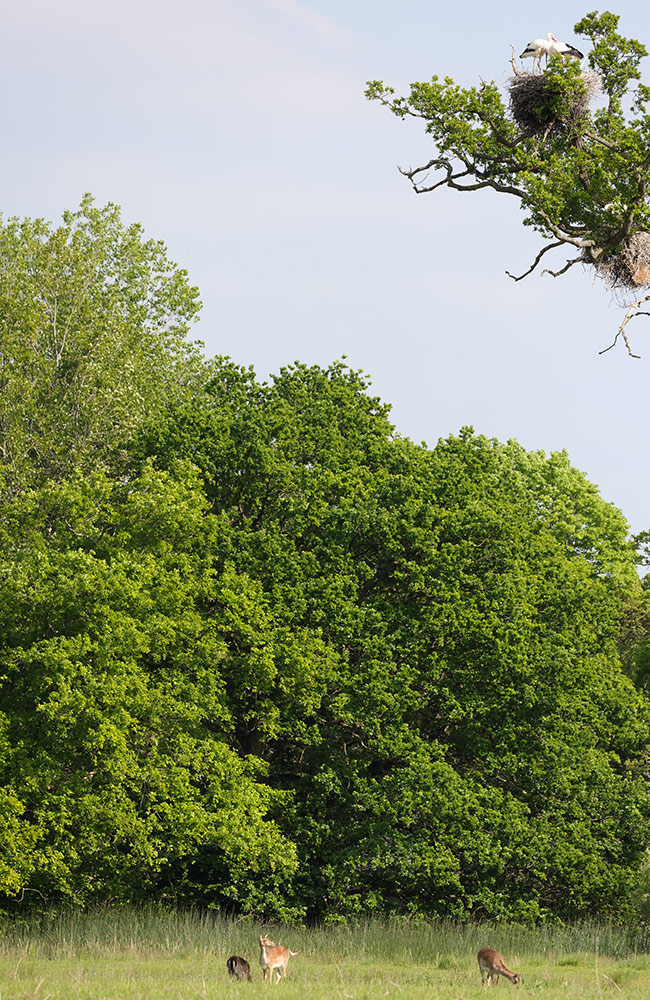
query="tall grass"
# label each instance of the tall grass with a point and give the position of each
(156, 954)
(107, 931)
(420, 940)
(151, 929)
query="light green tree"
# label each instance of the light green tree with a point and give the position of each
(93, 327)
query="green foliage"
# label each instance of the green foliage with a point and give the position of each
(462, 606)
(257, 651)
(92, 337)
(116, 716)
(614, 57)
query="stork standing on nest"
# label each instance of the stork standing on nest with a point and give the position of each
(562, 49)
(537, 48)
(546, 47)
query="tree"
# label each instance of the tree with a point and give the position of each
(93, 326)
(259, 651)
(118, 778)
(445, 699)
(582, 178)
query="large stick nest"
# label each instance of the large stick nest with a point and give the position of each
(538, 106)
(628, 269)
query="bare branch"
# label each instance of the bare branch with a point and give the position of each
(512, 63)
(550, 246)
(451, 176)
(630, 314)
(451, 179)
(563, 270)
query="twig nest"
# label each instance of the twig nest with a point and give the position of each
(538, 105)
(593, 83)
(628, 269)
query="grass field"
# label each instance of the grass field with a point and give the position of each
(151, 955)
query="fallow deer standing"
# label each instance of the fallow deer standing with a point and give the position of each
(274, 957)
(492, 964)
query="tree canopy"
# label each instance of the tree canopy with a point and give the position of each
(582, 176)
(260, 652)
(94, 335)
(457, 603)
(114, 711)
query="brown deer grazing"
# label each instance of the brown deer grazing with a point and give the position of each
(238, 968)
(274, 957)
(492, 964)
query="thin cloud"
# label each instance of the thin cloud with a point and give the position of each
(327, 32)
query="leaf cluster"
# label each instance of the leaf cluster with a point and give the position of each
(93, 326)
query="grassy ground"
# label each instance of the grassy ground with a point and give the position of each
(150, 955)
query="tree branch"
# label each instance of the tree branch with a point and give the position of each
(514, 68)
(630, 314)
(550, 246)
(451, 178)
(561, 234)
(569, 263)
(411, 174)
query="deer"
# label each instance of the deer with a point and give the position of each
(492, 963)
(238, 968)
(274, 957)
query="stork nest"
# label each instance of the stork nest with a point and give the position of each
(537, 105)
(628, 269)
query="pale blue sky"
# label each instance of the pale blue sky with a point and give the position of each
(237, 132)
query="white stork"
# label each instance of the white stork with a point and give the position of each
(548, 46)
(562, 49)
(537, 48)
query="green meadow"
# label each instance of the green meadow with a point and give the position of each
(151, 955)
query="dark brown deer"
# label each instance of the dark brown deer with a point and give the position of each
(492, 963)
(238, 968)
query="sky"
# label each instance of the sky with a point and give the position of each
(237, 132)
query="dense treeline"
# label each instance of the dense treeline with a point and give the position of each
(260, 652)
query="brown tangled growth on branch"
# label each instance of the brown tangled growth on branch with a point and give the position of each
(628, 269)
